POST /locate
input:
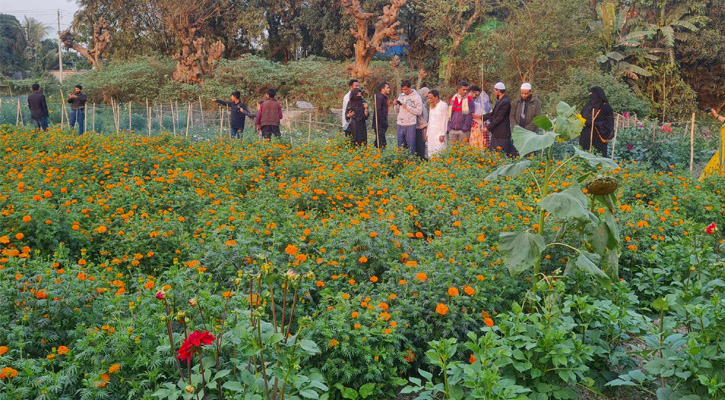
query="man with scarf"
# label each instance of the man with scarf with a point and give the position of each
(599, 126)
(356, 115)
(460, 114)
(499, 121)
(238, 114)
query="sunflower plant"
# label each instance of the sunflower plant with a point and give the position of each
(597, 253)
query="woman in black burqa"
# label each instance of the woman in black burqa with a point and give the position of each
(598, 113)
(357, 114)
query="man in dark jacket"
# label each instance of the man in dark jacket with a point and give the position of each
(525, 109)
(38, 108)
(380, 118)
(499, 121)
(238, 114)
(77, 102)
(269, 116)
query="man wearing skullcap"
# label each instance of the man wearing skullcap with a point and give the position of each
(524, 109)
(499, 125)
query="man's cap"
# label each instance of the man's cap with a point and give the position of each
(526, 86)
(499, 86)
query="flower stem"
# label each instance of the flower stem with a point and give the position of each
(542, 219)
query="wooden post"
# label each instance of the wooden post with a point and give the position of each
(160, 113)
(17, 114)
(309, 128)
(188, 116)
(289, 119)
(191, 111)
(176, 113)
(148, 116)
(201, 109)
(614, 140)
(93, 117)
(221, 123)
(173, 117)
(229, 122)
(692, 142)
(654, 131)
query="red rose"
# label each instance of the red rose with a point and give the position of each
(193, 343)
(712, 228)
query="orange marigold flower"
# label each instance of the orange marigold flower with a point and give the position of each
(27, 218)
(82, 276)
(148, 285)
(363, 259)
(101, 229)
(421, 276)
(227, 294)
(291, 249)
(41, 294)
(114, 368)
(4, 240)
(320, 284)
(333, 343)
(62, 350)
(7, 373)
(402, 282)
(19, 236)
(386, 331)
(345, 296)
(357, 326)
(471, 359)
(373, 234)
(453, 292)
(481, 237)
(3, 350)
(442, 309)
(469, 290)
(383, 306)
(230, 243)
(373, 279)
(355, 314)
(488, 322)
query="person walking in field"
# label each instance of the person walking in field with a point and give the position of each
(357, 116)
(38, 108)
(407, 106)
(352, 84)
(437, 123)
(269, 116)
(77, 102)
(460, 117)
(525, 109)
(599, 126)
(499, 124)
(380, 120)
(238, 114)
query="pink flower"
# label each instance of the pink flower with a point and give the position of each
(712, 228)
(193, 302)
(192, 344)
(626, 114)
(630, 147)
(160, 295)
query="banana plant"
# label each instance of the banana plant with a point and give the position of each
(523, 250)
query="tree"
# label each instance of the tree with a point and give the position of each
(453, 20)
(34, 32)
(12, 44)
(101, 40)
(366, 45)
(187, 20)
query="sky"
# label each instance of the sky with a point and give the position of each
(45, 11)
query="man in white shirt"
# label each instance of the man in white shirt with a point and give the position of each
(354, 83)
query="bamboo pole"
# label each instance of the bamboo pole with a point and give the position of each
(191, 111)
(201, 109)
(614, 140)
(130, 119)
(309, 128)
(176, 113)
(692, 142)
(160, 114)
(221, 123)
(188, 117)
(148, 116)
(289, 120)
(229, 122)
(17, 114)
(93, 117)
(173, 117)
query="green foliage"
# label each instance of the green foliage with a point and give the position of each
(574, 91)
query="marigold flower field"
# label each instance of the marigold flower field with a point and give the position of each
(116, 247)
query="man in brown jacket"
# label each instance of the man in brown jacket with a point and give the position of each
(525, 109)
(269, 116)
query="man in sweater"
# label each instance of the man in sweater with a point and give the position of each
(525, 109)
(380, 120)
(238, 114)
(38, 108)
(77, 102)
(352, 84)
(499, 125)
(407, 106)
(461, 108)
(269, 116)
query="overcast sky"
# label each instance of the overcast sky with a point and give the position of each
(45, 11)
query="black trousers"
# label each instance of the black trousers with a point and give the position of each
(269, 130)
(420, 144)
(380, 133)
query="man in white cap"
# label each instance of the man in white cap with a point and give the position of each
(499, 125)
(525, 109)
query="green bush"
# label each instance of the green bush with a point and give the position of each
(620, 95)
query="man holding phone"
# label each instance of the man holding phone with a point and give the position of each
(407, 106)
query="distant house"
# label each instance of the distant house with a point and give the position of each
(397, 48)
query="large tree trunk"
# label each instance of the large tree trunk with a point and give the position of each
(366, 46)
(101, 40)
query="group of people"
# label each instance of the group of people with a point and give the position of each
(468, 117)
(266, 120)
(39, 113)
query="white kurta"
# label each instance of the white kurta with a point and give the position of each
(437, 127)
